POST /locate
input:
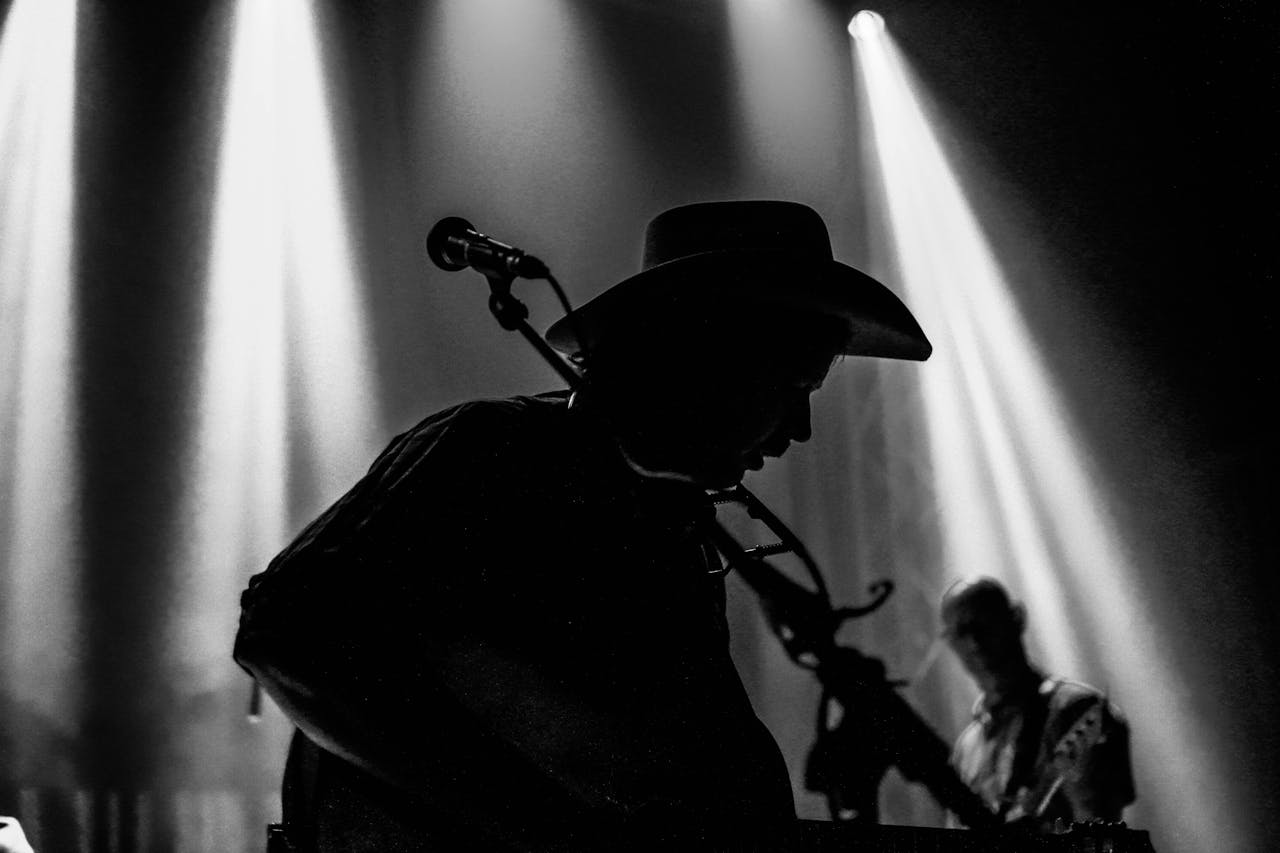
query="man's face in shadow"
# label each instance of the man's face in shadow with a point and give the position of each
(709, 412)
(722, 418)
(753, 408)
(986, 635)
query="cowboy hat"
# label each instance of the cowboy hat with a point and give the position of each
(766, 253)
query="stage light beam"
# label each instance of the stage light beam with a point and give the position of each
(39, 481)
(1018, 493)
(285, 352)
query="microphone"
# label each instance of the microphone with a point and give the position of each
(454, 243)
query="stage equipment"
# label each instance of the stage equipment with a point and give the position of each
(866, 24)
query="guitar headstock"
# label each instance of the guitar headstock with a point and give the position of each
(1084, 734)
(1067, 764)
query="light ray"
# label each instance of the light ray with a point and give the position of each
(1019, 495)
(39, 480)
(284, 321)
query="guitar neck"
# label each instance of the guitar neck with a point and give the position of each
(1068, 753)
(1042, 803)
(908, 742)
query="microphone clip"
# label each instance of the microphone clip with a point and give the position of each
(510, 312)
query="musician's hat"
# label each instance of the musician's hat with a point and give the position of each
(700, 257)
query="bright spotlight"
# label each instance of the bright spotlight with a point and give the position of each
(866, 25)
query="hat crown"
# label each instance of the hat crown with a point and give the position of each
(708, 256)
(734, 226)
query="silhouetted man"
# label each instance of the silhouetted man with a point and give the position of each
(510, 634)
(1039, 748)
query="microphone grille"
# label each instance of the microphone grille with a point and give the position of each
(438, 245)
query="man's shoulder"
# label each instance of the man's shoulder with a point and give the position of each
(1069, 700)
(465, 436)
(1068, 689)
(496, 411)
(970, 736)
(484, 420)
(1068, 693)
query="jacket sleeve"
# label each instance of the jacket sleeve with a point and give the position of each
(341, 626)
(468, 605)
(394, 620)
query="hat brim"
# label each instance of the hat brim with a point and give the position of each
(877, 324)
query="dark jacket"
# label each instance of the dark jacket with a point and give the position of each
(502, 637)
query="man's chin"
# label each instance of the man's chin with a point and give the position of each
(718, 479)
(710, 473)
(724, 476)
(721, 480)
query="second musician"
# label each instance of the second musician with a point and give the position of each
(1039, 748)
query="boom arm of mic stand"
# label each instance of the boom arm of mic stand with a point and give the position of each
(513, 315)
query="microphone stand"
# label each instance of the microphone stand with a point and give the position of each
(513, 315)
